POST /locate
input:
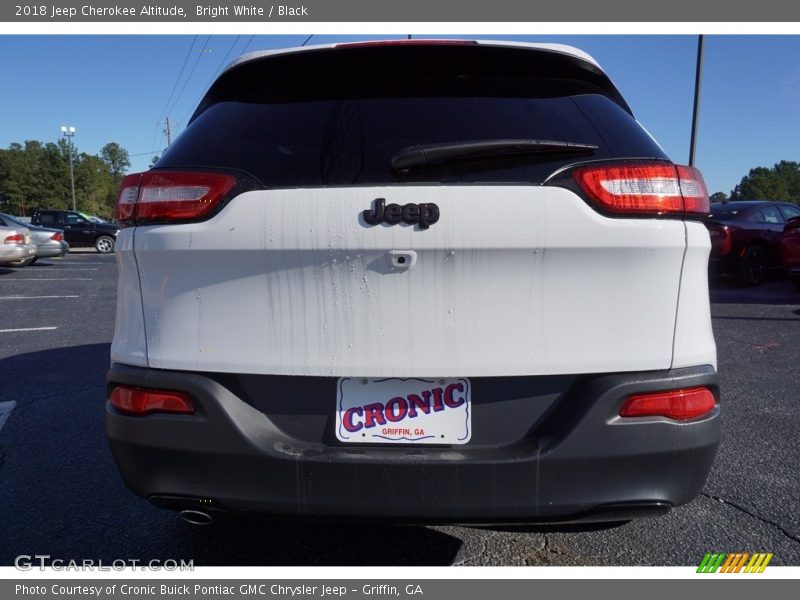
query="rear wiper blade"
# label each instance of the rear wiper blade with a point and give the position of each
(431, 155)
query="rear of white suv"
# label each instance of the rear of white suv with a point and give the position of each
(422, 281)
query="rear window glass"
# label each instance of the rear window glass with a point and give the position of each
(729, 211)
(47, 218)
(344, 131)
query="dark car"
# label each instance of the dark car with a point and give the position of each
(746, 238)
(790, 250)
(78, 230)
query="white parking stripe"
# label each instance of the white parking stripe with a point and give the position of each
(5, 411)
(33, 297)
(28, 329)
(37, 269)
(49, 279)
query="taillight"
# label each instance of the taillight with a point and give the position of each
(721, 241)
(17, 238)
(792, 228)
(644, 189)
(137, 401)
(680, 405)
(57, 236)
(412, 42)
(126, 198)
(159, 196)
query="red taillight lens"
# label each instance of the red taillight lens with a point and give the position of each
(412, 42)
(137, 401)
(792, 228)
(15, 239)
(57, 236)
(720, 238)
(680, 405)
(126, 198)
(644, 188)
(693, 190)
(170, 195)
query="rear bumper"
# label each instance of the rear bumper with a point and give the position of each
(52, 249)
(15, 252)
(570, 459)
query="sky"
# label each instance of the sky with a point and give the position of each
(121, 88)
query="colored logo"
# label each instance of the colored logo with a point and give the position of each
(735, 562)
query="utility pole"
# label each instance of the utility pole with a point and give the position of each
(168, 131)
(69, 133)
(698, 80)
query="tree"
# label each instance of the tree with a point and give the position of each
(781, 182)
(154, 160)
(36, 174)
(718, 197)
(117, 159)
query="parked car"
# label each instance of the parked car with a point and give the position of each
(790, 250)
(78, 230)
(49, 242)
(746, 238)
(16, 249)
(417, 281)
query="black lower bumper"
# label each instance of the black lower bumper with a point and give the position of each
(544, 449)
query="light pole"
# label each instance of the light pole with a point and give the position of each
(69, 133)
(698, 82)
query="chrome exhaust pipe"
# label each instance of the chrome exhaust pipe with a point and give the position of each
(196, 517)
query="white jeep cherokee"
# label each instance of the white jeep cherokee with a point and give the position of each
(426, 281)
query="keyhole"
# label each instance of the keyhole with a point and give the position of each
(401, 260)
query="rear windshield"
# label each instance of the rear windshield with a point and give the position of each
(341, 126)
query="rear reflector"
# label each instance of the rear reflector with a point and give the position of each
(418, 42)
(645, 188)
(57, 236)
(680, 405)
(171, 195)
(15, 239)
(137, 401)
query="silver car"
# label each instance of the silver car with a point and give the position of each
(49, 242)
(16, 247)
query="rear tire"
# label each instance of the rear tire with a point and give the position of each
(752, 267)
(104, 244)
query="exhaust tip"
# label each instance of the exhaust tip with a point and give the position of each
(196, 517)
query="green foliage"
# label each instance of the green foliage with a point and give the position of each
(781, 182)
(36, 175)
(718, 197)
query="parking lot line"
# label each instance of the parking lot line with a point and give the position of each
(37, 269)
(33, 297)
(5, 411)
(49, 279)
(28, 329)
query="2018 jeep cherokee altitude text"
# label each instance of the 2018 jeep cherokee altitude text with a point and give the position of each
(420, 281)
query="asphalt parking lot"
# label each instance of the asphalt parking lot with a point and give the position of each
(60, 493)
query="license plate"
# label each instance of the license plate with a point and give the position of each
(403, 410)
